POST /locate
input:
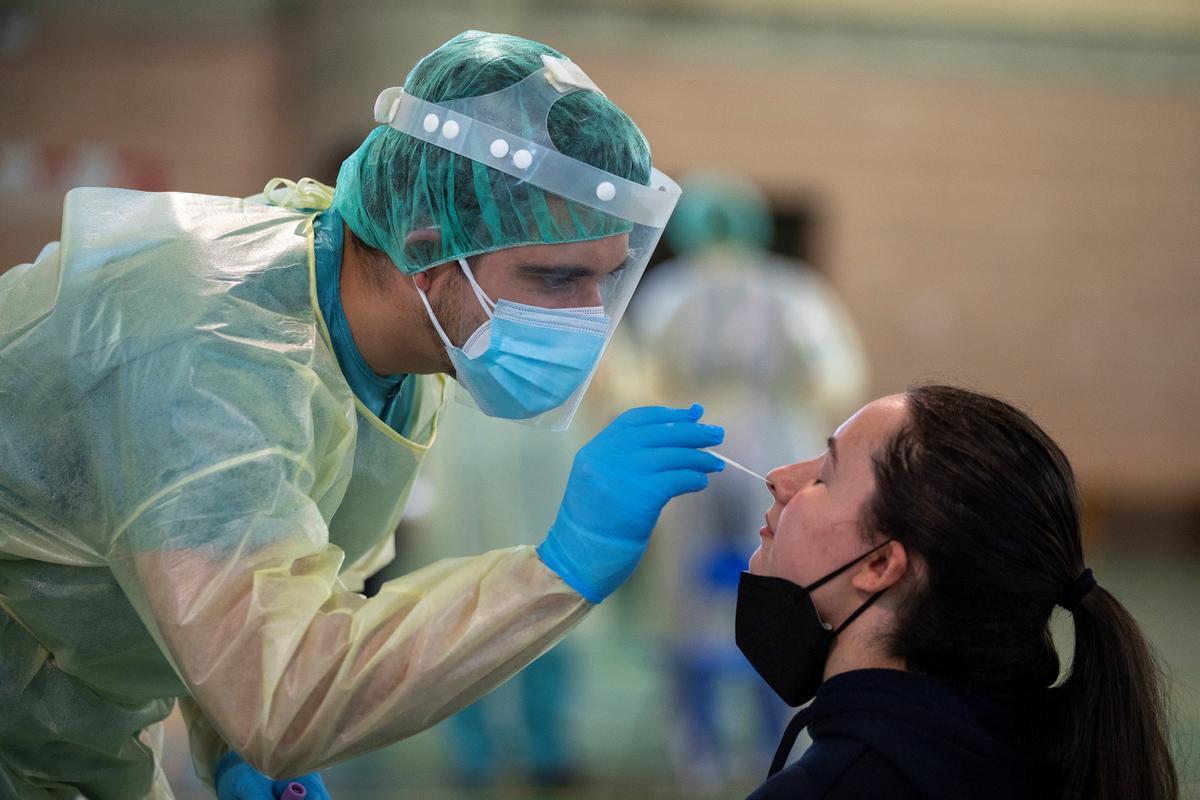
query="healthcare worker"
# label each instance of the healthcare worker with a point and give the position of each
(212, 411)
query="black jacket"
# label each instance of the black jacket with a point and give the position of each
(881, 733)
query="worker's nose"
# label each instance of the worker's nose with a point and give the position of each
(592, 296)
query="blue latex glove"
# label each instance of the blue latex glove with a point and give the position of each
(237, 780)
(619, 483)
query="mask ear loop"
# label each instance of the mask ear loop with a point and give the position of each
(480, 295)
(819, 583)
(860, 610)
(432, 317)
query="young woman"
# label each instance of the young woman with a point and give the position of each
(906, 578)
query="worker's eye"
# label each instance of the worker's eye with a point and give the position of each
(554, 280)
(615, 275)
(557, 282)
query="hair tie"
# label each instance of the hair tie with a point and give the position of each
(1074, 593)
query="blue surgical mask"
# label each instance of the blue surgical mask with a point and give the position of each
(524, 360)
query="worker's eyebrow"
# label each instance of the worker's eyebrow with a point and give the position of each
(831, 443)
(557, 271)
(567, 270)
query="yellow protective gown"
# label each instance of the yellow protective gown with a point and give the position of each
(190, 498)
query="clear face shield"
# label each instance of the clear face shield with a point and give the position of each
(482, 129)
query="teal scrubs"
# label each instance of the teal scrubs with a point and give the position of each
(379, 393)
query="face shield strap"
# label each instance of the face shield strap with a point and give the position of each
(525, 106)
(482, 129)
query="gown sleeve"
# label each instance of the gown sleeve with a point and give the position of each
(213, 458)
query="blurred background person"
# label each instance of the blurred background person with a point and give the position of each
(768, 344)
(518, 474)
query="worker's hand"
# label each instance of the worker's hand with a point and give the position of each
(237, 780)
(619, 483)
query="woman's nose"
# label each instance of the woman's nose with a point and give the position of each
(783, 482)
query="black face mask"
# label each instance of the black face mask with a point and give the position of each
(779, 632)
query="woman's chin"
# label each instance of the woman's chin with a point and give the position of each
(756, 561)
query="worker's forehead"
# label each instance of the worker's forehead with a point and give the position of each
(597, 257)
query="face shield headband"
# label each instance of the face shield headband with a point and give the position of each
(483, 129)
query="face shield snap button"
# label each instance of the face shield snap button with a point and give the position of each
(430, 123)
(450, 129)
(606, 191)
(522, 159)
(499, 148)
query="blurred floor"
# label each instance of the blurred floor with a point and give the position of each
(619, 723)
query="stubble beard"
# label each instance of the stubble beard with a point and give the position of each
(453, 308)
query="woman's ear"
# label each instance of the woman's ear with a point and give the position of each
(883, 569)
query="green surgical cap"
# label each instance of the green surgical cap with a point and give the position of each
(424, 205)
(719, 209)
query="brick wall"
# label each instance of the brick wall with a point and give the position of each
(208, 109)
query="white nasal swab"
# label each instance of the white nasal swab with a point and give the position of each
(733, 463)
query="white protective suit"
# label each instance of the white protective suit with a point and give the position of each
(190, 498)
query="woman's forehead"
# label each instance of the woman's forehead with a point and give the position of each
(872, 424)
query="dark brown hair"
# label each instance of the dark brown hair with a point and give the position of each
(377, 267)
(987, 502)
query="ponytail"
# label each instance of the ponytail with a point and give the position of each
(987, 501)
(1110, 741)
